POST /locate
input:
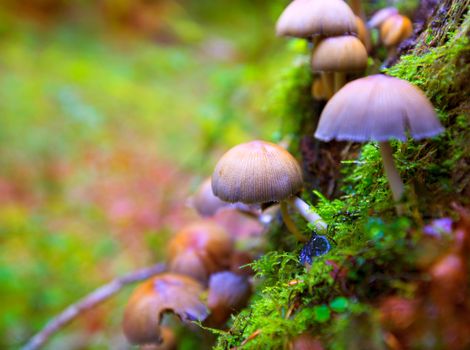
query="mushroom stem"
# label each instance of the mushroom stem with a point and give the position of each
(308, 214)
(290, 224)
(394, 179)
(356, 6)
(340, 81)
(328, 84)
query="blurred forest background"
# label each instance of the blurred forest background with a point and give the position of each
(111, 112)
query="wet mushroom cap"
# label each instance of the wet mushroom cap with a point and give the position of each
(256, 172)
(339, 54)
(306, 18)
(150, 300)
(378, 108)
(395, 29)
(200, 249)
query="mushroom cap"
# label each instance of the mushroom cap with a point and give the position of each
(205, 202)
(306, 18)
(380, 16)
(395, 29)
(167, 292)
(378, 108)
(256, 172)
(228, 293)
(363, 33)
(199, 249)
(339, 54)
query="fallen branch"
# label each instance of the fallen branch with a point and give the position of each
(88, 302)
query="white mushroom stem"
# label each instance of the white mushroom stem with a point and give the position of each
(394, 179)
(340, 81)
(308, 213)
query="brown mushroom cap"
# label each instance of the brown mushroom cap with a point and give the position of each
(339, 54)
(205, 202)
(378, 108)
(306, 18)
(228, 293)
(200, 249)
(164, 293)
(380, 16)
(256, 172)
(395, 29)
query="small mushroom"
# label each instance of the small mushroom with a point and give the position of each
(380, 16)
(379, 108)
(363, 33)
(167, 292)
(336, 56)
(228, 293)
(261, 172)
(307, 18)
(393, 31)
(204, 201)
(199, 249)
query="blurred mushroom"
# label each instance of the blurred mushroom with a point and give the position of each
(228, 293)
(199, 249)
(379, 108)
(393, 31)
(318, 91)
(363, 33)
(307, 18)
(261, 172)
(167, 292)
(380, 16)
(338, 55)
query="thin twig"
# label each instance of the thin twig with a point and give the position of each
(93, 299)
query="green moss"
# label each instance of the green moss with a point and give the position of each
(373, 252)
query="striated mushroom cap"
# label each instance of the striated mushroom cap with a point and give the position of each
(205, 202)
(228, 293)
(339, 54)
(306, 18)
(380, 16)
(200, 249)
(256, 172)
(395, 29)
(378, 108)
(167, 292)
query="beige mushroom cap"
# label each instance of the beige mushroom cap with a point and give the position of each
(163, 293)
(306, 18)
(339, 54)
(256, 172)
(378, 108)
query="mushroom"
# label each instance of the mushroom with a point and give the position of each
(208, 205)
(393, 31)
(167, 292)
(199, 249)
(261, 172)
(380, 16)
(307, 18)
(379, 108)
(228, 293)
(334, 56)
(318, 91)
(363, 34)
